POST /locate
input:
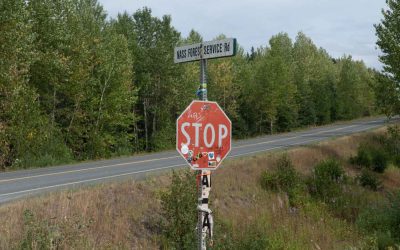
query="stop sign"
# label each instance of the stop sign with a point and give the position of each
(203, 135)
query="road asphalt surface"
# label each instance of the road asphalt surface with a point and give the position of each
(18, 184)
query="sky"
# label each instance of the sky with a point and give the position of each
(339, 26)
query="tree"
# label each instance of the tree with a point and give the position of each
(354, 89)
(222, 85)
(26, 136)
(274, 75)
(83, 76)
(178, 222)
(16, 44)
(306, 71)
(324, 89)
(389, 42)
(74, 83)
(387, 95)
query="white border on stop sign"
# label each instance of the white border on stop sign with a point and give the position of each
(177, 129)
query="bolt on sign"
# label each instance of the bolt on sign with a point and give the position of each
(203, 135)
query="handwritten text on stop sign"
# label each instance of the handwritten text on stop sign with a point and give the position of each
(222, 133)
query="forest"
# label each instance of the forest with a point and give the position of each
(76, 84)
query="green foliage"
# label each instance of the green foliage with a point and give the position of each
(389, 43)
(284, 178)
(164, 138)
(371, 157)
(253, 237)
(352, 103)
(379, 161)
(387, 95)
(38, 234)
(77, 85)
(179, 212)
(369, 179)
(363, 157)
(392, 143)
(326, 181)
(388, 40)
(383, 220)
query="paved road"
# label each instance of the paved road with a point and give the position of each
(18, 184)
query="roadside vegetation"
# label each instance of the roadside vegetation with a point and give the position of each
(315, 197)
(77, 85)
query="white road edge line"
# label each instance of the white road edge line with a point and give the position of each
(150, 170)
(171, 157)
(90, 180)
(87, 169)
(294, 137)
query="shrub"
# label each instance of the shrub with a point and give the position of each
(369, 179)
(39, 234)
(227, 238)
(363, 157)
(393, 139)
(372, 157)
(393, 144)
(396, 160)
(383, 221)
(270, 181)
(179, 212)
(325, 183)
(284, 178)
(380, 160)
(255, 240)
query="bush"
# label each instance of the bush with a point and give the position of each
(383, 221)
(39, 234)
(371, 157)
(369, 179)
(179, 212)
(284, 178)
(393, 144)
(396, 161)
(227, 238)
(380, 160)
(363, 157)
(325, 183)
(254, 239)
(393, 139)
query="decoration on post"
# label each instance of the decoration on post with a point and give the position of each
(203, 130)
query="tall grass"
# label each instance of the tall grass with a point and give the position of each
(135, 215)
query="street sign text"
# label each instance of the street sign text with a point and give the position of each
(205, 50)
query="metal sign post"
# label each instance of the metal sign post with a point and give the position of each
(212, 150)
(204, 187)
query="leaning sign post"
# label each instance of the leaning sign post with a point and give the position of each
(203, 130)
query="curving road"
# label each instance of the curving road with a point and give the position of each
(18, 184)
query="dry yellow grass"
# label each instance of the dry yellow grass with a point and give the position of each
(125, 215)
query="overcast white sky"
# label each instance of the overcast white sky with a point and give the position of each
(339, 26)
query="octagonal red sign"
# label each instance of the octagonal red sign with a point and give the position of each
(203, 135)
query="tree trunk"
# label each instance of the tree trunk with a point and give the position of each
(77, 102)
(145, 124)
(271, 124)
(135, 131)
(154, 124)
(103, 90)
(53, 115)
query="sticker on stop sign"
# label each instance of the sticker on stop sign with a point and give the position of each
(203, 135)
